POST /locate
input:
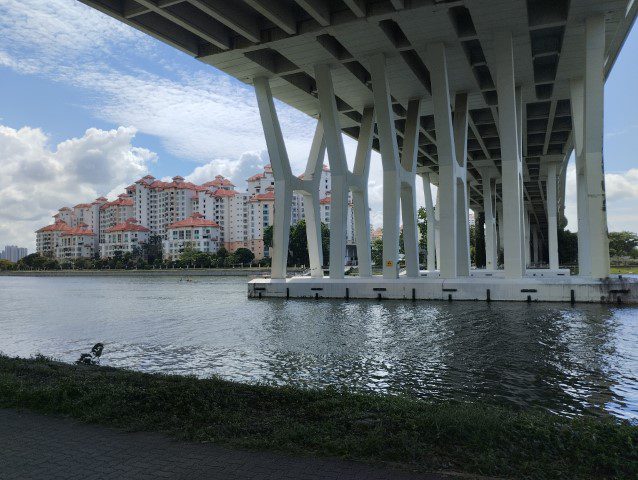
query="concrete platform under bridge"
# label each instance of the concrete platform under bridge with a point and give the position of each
(615, 289)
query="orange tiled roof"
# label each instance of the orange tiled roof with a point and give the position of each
(195, 220)
(79, 231)
(260, 197)
(129, 225)
(256, 177)
(122, 201)
(220, 192)
(58, 226)
(219, 181)
(325, 201)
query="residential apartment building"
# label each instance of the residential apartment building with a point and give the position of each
(13, 253)
(114, 213)
(158, 203)
(195, 232)
(47, 239)
(261, 213)
(240, 218)
(123, 237)
(75, 242)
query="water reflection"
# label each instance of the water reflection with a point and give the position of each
(566, 360)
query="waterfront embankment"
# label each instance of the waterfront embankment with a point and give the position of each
(167, 272)
(474, 438)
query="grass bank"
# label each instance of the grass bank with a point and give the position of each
(419, 435)
(625, 270)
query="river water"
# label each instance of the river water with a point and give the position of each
(568, 360)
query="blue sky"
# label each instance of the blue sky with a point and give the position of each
(88, 105)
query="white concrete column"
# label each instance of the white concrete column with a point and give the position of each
(593, 145)
(535, 246)
(577, 88)
(286, 184)
(281, 172)
(437, 229)
(511, 161)
(312, 177)
(431, 223)
(528, 237)
(460, 126)
(447, 161)
(408, 188)
(500, 228)
(390, 161)
(338, 169)
(491, 252)
(552, 220)
(359, 187)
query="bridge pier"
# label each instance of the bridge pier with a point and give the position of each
(510, 221)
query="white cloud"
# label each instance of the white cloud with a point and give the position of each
(64, 29)
(37, 180)
(198, 113)
(622, 199)
(238, 170)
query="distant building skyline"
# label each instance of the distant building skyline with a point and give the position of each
(13, 253)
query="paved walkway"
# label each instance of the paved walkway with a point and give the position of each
(34, 446)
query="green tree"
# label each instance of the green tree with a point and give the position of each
(377, 251)
(298, 243)
(477, 240)
(189, 255)
(422, 224)
(153, 249)
(622, 244)
(244, 255)
(567, 246)
(6, 265)
(268, 236)
(35, 261)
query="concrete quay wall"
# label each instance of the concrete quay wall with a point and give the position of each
(616, 289)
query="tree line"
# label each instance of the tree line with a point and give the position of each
(622, 246)
(148, 255)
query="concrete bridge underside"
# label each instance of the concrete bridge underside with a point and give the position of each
(486, 99)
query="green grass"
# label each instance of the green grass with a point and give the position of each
(419, 435)
(625, 270)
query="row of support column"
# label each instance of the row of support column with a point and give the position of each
(448, 227)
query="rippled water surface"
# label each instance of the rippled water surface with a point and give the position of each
(571, 360)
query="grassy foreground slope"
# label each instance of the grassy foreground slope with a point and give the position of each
(472, 438)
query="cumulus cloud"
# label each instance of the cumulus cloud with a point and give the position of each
(38, 179)
(622, 198)
(238, 170)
